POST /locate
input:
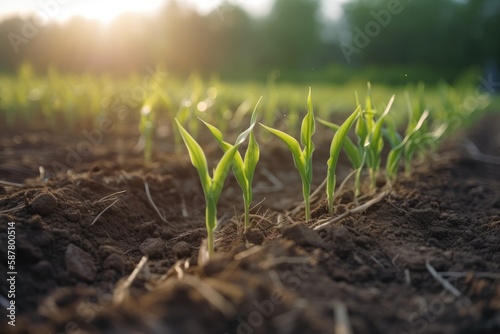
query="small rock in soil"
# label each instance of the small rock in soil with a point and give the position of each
(43, 204)
(153, 247)
(182, 250)
(80, 263)
(115, 262)
(254, 236)
(302, 235)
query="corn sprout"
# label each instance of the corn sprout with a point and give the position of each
(243, 168)
(212, 186)
(302, 158)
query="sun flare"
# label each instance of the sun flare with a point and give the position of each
(107, 11)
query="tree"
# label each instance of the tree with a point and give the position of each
(290, 36)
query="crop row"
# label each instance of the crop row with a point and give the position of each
(70, 101)
(371, 129)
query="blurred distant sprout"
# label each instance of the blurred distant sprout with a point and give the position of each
(146, 128)
(375, 142)
(212, 93)
(35, 94)
(404, 148)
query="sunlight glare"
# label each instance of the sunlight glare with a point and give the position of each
(107, 11)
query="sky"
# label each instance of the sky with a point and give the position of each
(105, 11)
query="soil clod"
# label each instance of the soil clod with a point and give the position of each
(302, 235)
(254, 236)
(153, 247)
(43, 204)
(182, 250)
(80, 263)
(116, 262)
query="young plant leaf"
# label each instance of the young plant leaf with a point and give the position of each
(221, 171)
(219, 137)
(377, 144)
(293, 146)
(336, 145)
(395, 154)
(302, 158)
(334, 127)
(252, 156)
(242, 169)
(212, 187)
(197, 157)
(352, 151)
(308, 128)
(377, 130)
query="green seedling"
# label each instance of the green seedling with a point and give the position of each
(146, 127)
(243, 169)
(302, 157)
(372, 135)
(354, 153)
(336, 146)
(404, 148)
(369, 148)
(212, 186)
(376, 144)
(155, 101)
(362, 134)
(430, 140)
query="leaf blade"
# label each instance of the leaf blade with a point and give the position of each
(197, 157)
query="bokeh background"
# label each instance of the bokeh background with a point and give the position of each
(388, 41)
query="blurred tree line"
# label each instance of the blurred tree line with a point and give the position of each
(445, 37)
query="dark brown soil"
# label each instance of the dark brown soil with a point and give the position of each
(75, 246)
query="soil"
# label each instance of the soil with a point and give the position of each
(82, 230)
